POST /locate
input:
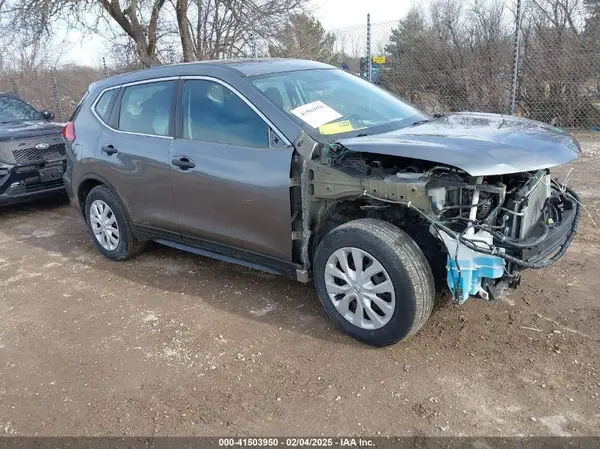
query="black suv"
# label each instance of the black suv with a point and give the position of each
(32, 152)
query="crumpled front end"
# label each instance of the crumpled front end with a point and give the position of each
(487, 228)
(530, 226)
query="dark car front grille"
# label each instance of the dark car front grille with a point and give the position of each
(32, 149)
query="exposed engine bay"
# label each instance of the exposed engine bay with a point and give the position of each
(487, 228)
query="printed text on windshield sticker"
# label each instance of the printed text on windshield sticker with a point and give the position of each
(336, 127)
(316, 113)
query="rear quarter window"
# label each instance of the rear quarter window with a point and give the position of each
(104, 103)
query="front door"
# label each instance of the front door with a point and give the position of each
(230, 180)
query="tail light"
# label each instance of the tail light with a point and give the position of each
(68, 131)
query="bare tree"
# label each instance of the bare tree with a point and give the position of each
(457, 55)
(137, 19)
(211, 29)
(204, 28)
(559, 77)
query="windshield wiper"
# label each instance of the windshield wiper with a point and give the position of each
(419, 122)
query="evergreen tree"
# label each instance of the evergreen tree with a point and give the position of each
(304, 37)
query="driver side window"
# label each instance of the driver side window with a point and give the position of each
(213, 113)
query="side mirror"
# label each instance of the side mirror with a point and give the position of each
(48, 115)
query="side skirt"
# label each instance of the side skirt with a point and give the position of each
(222, 252)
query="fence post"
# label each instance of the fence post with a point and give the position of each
(369, 61)
(61, 115)
(253, 46)
(515, 80)
(104, 67)
(15, 89)
(171, 52)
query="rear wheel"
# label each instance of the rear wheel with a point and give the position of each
(109, 226)
(374, 281)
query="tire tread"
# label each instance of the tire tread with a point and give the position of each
(406, 256)
(413, 259)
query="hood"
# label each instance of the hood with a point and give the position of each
(480, 144)
(28, 128)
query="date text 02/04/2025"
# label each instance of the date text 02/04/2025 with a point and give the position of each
(296, 442)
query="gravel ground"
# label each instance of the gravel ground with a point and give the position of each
(176, 344)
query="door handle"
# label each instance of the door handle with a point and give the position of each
(109, 149)
(183, 162)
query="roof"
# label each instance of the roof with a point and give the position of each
(252, 67)
(241, 67)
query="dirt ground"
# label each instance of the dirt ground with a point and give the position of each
(175, 344)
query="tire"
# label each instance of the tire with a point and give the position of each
(127, 245)
(409, 295)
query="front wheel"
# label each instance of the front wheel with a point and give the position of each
(374, 281)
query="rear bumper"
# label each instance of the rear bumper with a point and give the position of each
(71, 193)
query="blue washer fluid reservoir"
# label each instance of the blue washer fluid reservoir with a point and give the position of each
(467, 268)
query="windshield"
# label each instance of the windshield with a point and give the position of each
(13, 110)
(329, 103)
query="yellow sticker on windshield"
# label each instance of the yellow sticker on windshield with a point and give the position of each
(336, 127)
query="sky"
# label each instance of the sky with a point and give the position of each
(345, 13)
(333, 14)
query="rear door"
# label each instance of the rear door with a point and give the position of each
(133, 153)
(230, 172)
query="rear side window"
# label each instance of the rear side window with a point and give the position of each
(146, 108)
(102, 106)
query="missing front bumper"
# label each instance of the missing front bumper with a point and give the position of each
(490, 275)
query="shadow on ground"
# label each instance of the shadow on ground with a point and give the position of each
(259, 296)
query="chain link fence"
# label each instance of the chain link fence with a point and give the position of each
(446, 60)
(443, 59)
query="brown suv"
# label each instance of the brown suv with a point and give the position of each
(301, 169)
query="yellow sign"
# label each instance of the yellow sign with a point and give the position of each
(379, 59)
(336, 127)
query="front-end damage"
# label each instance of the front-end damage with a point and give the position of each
(482, 230)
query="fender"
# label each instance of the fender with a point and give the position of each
(101, 180)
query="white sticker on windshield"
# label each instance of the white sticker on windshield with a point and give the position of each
(316, 113)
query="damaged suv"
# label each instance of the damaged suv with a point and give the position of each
(301, 169)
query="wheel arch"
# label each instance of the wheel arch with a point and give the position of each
(330, 215)
(85, 186)
(337, 213)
